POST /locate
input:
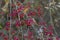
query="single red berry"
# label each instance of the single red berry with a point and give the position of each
(7, 24)
(18, 23)
(29, 14)
(18, 4)
(13, 5)
(50, 33)
(22, 7)
(45, 29)
(7, 28)
(50, 27)
(42, 23)
(38, 8)
(30, 33)
(15, 11)
(16, 38)
(50, 39)
(27, 23)
(29, 4)
(22, 1)
(21, 15)
(2, 34)
(46, 33)
(39, 13)
(2, 13)
(6, 37)
(57, 38)
(33, 13)
(18, 10)
(22, 22)
(13, 32)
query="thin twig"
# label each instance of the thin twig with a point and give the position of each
(51, 20)
(10, 21)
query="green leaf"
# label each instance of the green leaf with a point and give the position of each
(5, 32)
(0, 27)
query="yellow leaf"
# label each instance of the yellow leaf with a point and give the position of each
(7, 1)
(4, 9)
(25, 10)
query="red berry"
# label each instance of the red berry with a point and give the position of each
(39, 13)
(18, 10)
(42, 23)
(29, 4)
(38, 8)
(21, 15)
(29, 14)
(15, 11)
(27, 23)
(2, 13)
(57, 38)
(16, 38)
(13, 32)
(13, 5)
(2, 34)
(49, 38)
(6, 37)
(18, 23)
(7, 24)
(46, 33)
(22, 22)
(51, 33)
(18, 3)
(7, 28)
(45, 29)
(30, 33)
(33, 13)
(50, 27)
